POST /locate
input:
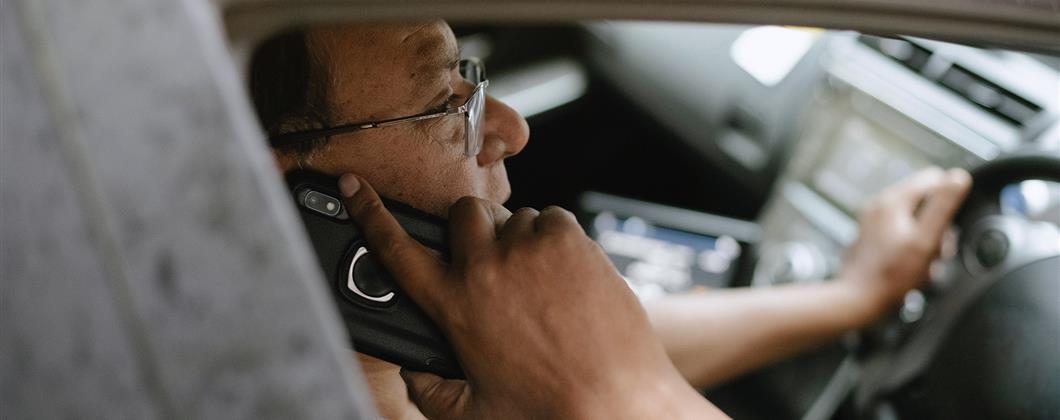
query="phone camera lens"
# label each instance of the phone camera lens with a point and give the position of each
(322, 203)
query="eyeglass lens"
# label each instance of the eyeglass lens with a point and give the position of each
(474, 122)
(472, 71)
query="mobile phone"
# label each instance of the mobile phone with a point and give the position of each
(382, 321)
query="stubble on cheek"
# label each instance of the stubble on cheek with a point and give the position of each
(501, 188)
(464, 178)
(432, 176)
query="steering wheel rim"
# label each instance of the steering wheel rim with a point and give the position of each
(980, 214)
(990, 177)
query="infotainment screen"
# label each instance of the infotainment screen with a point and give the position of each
(662, 250)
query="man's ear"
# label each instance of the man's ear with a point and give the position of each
(285, 162)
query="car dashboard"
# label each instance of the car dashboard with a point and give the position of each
(885, 108)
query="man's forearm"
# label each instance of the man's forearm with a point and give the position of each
(716, 335)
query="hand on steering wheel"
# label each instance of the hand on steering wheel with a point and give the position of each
(900, 234)
(996, 321)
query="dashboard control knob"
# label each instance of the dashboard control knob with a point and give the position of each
(992, 248)
(791, 262)
(366, 281)
(913, 306)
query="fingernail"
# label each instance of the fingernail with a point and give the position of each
(349, 184)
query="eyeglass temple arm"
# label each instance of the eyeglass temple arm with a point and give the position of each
(284, 139)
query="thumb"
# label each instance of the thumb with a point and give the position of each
(437, 397)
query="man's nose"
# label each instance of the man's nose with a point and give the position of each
(506, 132)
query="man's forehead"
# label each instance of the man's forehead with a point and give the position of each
(378, 69)
(422, 43)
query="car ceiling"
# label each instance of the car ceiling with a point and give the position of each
(1030, 25)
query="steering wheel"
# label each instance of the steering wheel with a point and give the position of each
(987, 345)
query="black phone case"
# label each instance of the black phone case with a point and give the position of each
(397, 330)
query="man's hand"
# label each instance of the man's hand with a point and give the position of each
(543, 325)
(901, 232)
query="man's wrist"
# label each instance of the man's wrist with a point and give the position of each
(663, 396)
(867, 302)
(680, 401)
(675, 399)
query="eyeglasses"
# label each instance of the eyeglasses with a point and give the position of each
(471, 69)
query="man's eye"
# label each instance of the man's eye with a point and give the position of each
(448, 103)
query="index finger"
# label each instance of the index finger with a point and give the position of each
(473, 225)
(937, 212)
(908, 193)
(415, 269)
(555, 218)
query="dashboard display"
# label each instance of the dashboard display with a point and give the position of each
(663, 250)
(658, 260)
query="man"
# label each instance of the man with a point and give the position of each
(351, 76)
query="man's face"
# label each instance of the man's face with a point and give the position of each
(378, 72)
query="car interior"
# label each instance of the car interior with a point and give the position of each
(154, 265)
(716, 155)
(706, 156)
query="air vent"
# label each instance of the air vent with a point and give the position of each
(982, 93)
(989, 96)
(911, 55)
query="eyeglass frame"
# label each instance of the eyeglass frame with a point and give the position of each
(470, 148)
